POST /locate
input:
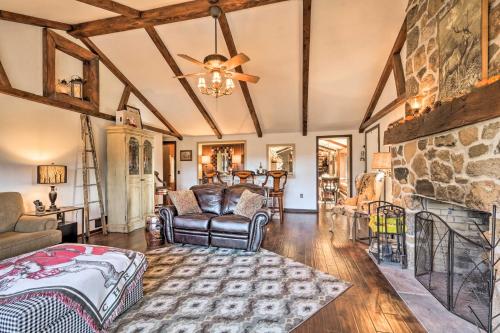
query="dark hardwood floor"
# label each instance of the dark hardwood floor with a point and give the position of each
(370, 305)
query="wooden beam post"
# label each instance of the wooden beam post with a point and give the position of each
(177, 72)
(106, 61)
(4, 79)
(113, 6)
(49, 64)
(399, 75)
(124, 98)
(168, 14)
(39, 22)
(306, 39)
(231, 46)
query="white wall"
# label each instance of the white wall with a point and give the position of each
(304, 179)
(33, 133)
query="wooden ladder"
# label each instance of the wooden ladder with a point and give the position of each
(89, 147)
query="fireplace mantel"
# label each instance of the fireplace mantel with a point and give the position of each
(479, 105)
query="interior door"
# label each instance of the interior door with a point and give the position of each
(148, 185)
(134, 183)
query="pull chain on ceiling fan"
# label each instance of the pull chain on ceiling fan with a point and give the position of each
(219, 71)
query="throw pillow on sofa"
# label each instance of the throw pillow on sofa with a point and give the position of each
(249, 204)
(185, 202)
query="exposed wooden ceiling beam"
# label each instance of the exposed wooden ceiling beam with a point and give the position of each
(399, 74)
(177, 72)
(228, 37)
(124, 98)
(84, 108)
(39, 22)
(156, 129)
(396, 49)
(383, 112)
(4, 79)
(113, 6)
(163, 15)
(108, 63)
(306, 39)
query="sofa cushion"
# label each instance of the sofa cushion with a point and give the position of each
(233, 224)
(233, 193)
(249, 204)
(209, 197)
(16, 243)
(193, 221)
(11, 208)
(185, 202)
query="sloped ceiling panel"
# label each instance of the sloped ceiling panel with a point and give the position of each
(137, 57)
(271, 36)
(350, 43)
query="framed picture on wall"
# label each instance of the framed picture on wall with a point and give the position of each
(186, 155)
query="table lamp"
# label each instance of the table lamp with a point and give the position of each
(236, 160)
(52, 175)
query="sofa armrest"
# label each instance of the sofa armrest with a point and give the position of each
(257, 229)
(27, 223)
(167, 214)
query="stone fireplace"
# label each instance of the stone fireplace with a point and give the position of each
(456, 169)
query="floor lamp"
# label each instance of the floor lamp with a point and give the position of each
(382, 161)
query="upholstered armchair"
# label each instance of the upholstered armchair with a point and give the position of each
(21, 233)
(369, 187)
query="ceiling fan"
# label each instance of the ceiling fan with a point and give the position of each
(218, 69)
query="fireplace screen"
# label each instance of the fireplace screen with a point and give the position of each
(453, 266)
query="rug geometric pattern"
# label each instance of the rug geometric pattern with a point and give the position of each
(191, 289)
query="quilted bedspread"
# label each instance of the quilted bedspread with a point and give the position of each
(92, 280)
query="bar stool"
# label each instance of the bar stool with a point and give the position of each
(244, 175)
(160, 190)
(277, 191)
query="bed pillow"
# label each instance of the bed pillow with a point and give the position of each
(185, 202)
(249, 204)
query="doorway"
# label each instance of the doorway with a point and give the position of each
(333, 169)
(170, 164)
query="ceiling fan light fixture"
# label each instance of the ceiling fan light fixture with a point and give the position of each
(229, 83)
(201, 83)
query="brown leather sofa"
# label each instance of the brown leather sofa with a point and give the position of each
(21, 233)
(217, 225)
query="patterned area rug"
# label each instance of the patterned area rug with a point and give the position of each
(214, 290)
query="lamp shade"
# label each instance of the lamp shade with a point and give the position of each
(205, 159)
(382, 161)
(52, 174)
(236, 159)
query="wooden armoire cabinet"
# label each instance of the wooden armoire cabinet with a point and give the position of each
(130, 178)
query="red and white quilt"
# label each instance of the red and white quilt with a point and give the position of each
(92, 280)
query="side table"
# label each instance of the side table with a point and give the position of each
(69, 229)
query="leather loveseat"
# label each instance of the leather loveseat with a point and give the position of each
(20, 233)
(217, 225)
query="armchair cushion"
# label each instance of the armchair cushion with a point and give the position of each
(36, 223)
(248, 204)
(11, 207)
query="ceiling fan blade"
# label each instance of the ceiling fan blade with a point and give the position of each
(244, 77)
(193, 60)
(190, 75)
(235, 61)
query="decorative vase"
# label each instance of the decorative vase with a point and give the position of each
(154, 231)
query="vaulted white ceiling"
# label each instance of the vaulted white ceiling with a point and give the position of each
(350, 42)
